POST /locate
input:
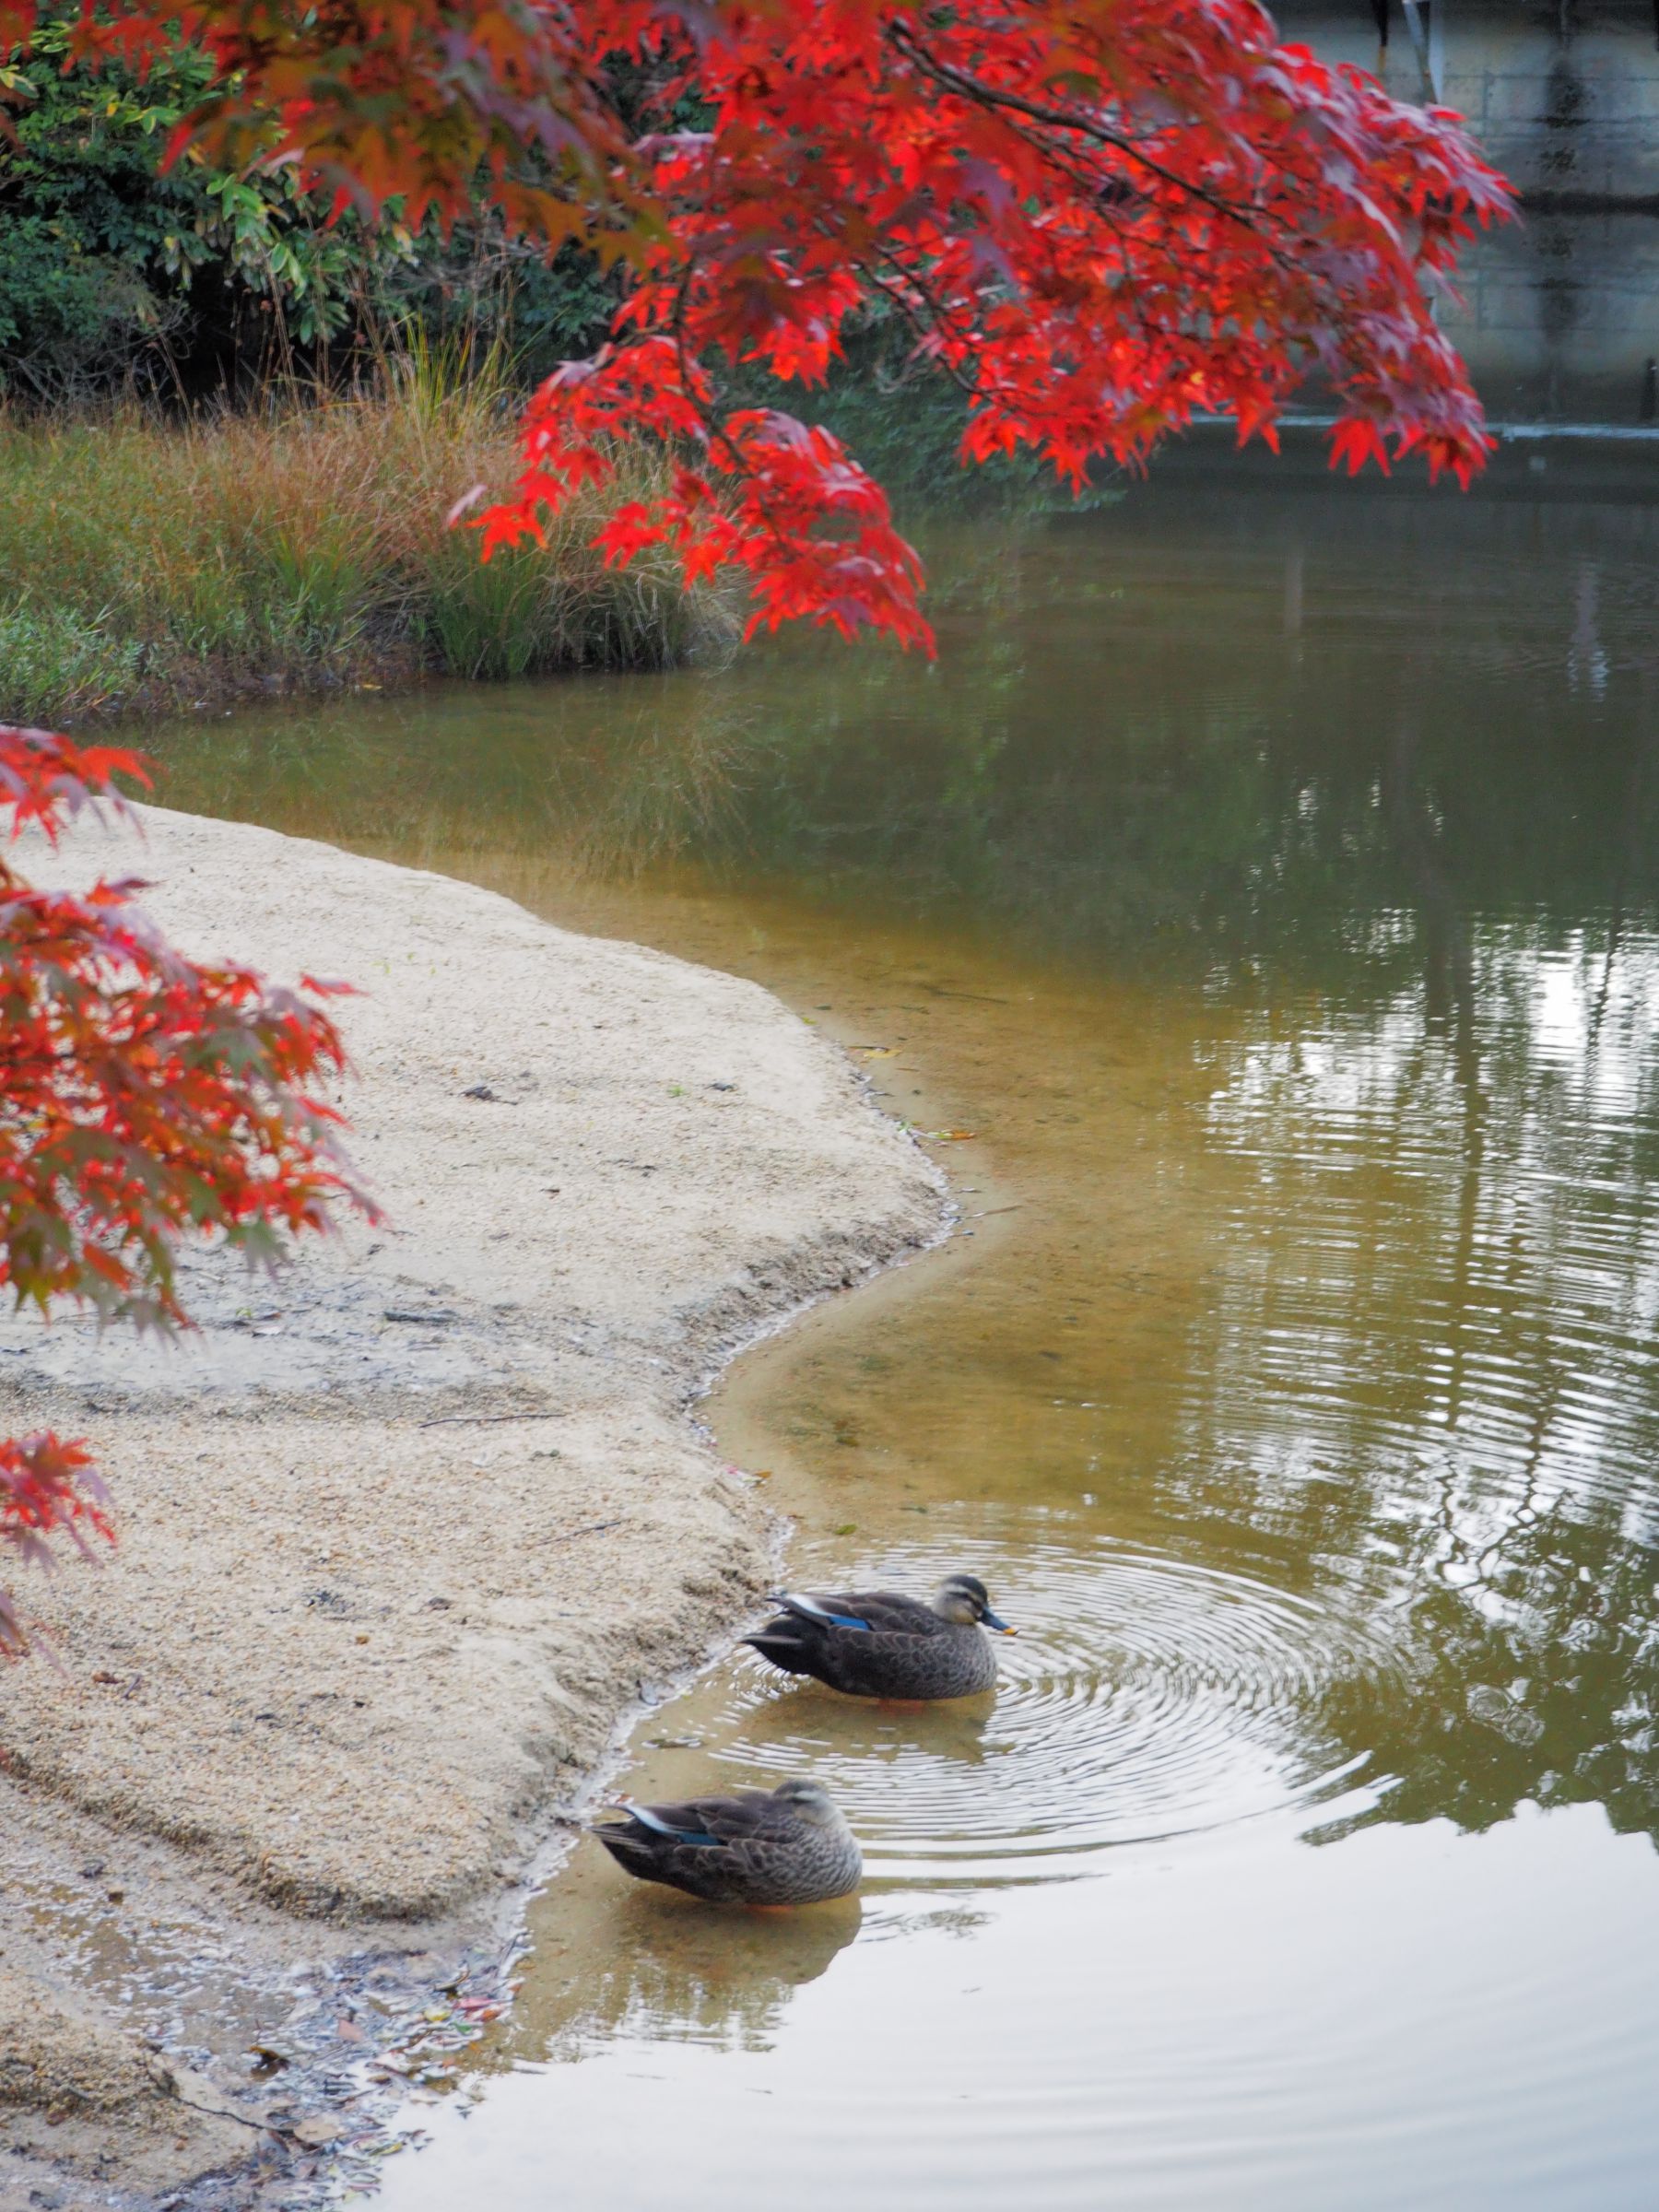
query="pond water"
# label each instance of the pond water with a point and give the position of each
(1262, 891)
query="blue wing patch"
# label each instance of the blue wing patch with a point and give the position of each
(813, 1611)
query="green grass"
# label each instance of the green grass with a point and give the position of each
(54, 663)
(145, 563)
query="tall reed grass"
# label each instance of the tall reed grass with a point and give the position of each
(144, 561)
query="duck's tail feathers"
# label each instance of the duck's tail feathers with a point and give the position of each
(626, 1845)
(781, 1643)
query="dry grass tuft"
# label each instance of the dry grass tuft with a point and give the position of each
(146, 562)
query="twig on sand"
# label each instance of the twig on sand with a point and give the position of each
(593, 1528)
(478, 1420)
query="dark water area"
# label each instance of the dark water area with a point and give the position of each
(1257, 907)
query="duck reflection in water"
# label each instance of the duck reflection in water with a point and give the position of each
(786, 1724)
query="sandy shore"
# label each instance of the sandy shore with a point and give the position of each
(364, 1637)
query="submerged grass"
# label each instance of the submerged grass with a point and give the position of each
(145, 563)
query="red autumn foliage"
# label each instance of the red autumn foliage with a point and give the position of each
(144, 1097)
(1102, 221)
(47, 1488)
(1101, 217)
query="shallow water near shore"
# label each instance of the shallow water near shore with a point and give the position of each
(1257, 906)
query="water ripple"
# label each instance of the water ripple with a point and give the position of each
(1145, 1699)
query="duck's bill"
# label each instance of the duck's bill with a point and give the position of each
(1001, 1627)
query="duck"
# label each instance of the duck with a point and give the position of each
(787, 1846)
(876, 1643)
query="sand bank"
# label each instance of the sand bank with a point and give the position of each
(363, 1636)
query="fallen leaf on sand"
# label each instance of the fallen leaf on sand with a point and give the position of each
(319, 2130)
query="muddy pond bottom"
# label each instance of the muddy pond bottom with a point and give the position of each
(1258, 909)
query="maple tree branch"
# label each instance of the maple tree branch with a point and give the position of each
(960, 81)
(897, 289)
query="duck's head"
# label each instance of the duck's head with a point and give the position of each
(810, 1801)
(963, 1598)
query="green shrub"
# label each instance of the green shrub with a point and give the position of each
(116, 277)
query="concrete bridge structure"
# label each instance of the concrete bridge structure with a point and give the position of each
(1560, 313)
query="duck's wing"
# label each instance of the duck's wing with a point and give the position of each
(709, 1822)
(660, 1824)
(748, 1813)
(875, 1612)
(761, 1840)
(838, 1635)
(679, 1844)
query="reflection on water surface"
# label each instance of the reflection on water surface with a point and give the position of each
(1268, 881)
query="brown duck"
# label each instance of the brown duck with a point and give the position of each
(876, 1643)
(789, 1846)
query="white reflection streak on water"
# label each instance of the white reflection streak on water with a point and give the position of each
(1503, 1190)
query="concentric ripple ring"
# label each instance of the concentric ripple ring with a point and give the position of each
(1145, 1699)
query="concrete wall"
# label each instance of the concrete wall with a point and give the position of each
(1561, 311)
